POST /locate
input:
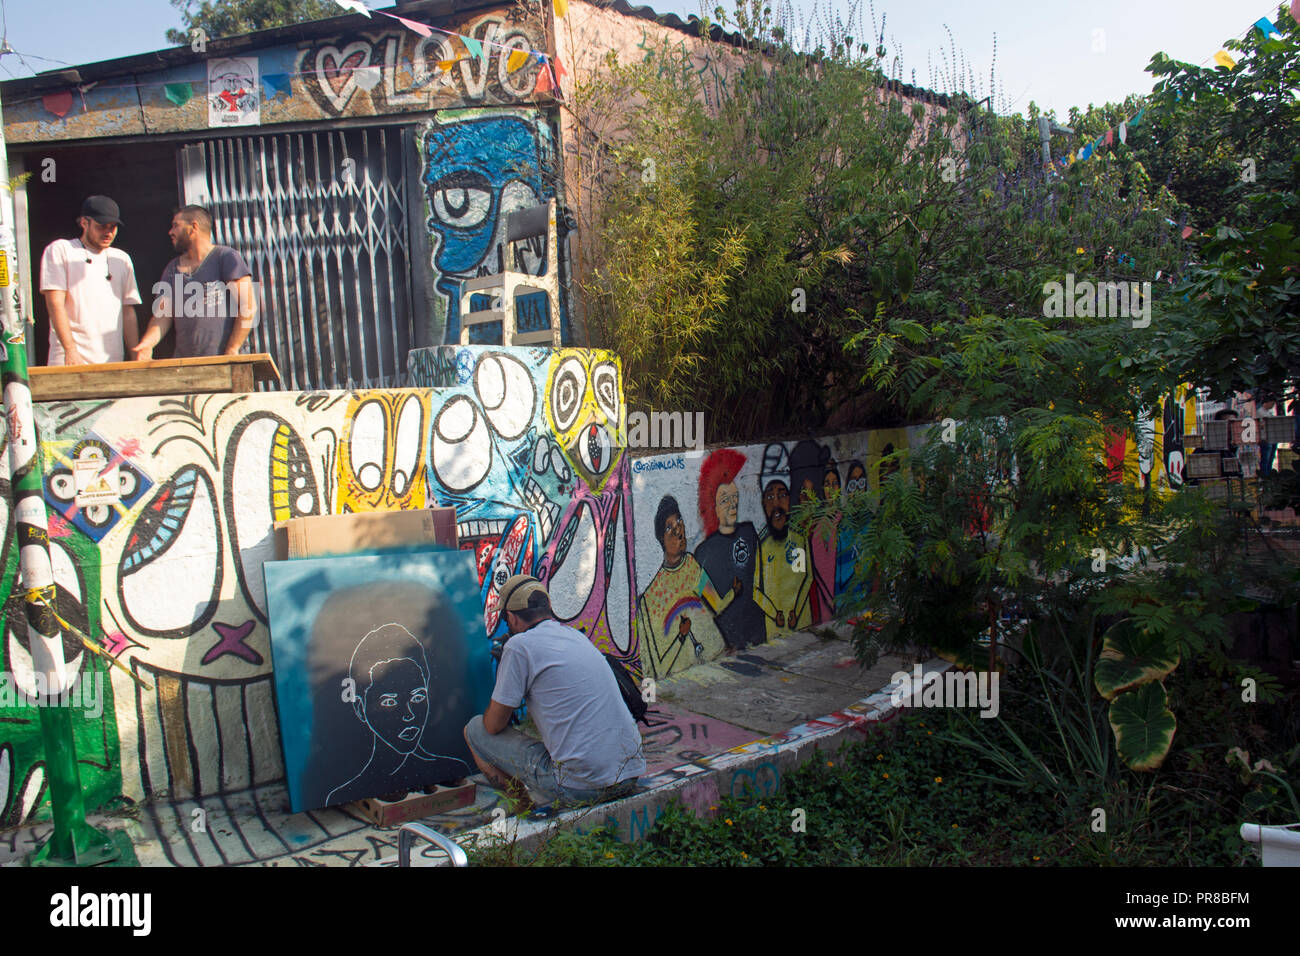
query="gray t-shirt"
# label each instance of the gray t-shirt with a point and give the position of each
(575, 702)
(205, 317)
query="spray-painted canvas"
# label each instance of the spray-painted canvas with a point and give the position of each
(380, 661)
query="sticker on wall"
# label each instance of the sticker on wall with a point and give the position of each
(234, 97)
(96, 483)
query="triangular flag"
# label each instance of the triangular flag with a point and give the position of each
(356, 6)
(1123, 132)
(179, 93)
(1071, 157)
(419, 28)
(446, 65)
(1187, 231)
(1223, 59)
(60, 104)
(1265, 26)
(474, 47)
(559, 68)
(276, 83)
(543, 77)
(517, 59)
(561, 8)
(1110, 136)
(1087, 151)
(1137, 119)
(367, 77)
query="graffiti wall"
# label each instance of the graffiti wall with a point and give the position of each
(167, 565)
(477, 167)
(719, 567)
(345, 69)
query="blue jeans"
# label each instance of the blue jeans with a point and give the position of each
(527, 760)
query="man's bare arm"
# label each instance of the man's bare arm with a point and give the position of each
(130, 329)
(497, 717)
(247, 315)
(56, 302)
(159, 325)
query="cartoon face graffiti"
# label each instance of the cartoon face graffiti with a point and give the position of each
(477, 171)
(584, 407)
(381, 461)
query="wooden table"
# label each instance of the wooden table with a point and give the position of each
(186, 376)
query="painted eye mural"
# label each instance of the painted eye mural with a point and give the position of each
(381, 463)
(76, 467)
(478, 168)
(71, 602)
(172, 565)
(269, 478)
(462, 447)
(585, 411)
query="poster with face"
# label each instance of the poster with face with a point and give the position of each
(380, 661)
(234, 92)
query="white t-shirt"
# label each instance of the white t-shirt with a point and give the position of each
(94, 303)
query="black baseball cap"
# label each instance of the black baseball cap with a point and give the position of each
(101, 209)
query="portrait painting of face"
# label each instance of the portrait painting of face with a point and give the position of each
(380, 661)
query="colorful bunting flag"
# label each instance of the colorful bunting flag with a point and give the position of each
(1123, 132)
(517, 59)
(559, 68)
(1110, 137)
(561, 8)
(276, 83)
(1187, 231)
(1223, 59)
(419, 28)
(356, 6)
(474, 47)
(60, 104)
(1266, 26)
(543, 76)
(179, 93)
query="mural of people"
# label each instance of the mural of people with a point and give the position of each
(811, 472)
(784, 577)
(674, 616)
(729, 552)
(391, 677)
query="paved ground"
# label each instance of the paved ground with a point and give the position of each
(710, 709)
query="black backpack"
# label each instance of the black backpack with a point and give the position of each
(636, 705)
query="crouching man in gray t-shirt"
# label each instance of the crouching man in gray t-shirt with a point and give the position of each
(590, 749)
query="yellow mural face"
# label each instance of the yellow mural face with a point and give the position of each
(882, 442)
(584, 408)
(381, 459)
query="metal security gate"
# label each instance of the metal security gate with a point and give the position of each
(321, 219)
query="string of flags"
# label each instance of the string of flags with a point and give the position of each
(1264, 25)
(550, 69)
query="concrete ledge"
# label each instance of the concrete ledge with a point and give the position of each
(755, 768)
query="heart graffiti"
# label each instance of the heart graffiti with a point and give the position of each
(336, 72)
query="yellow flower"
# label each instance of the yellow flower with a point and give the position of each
(609, 856)
(746, 855)
(728, 821)
(886, 776)
(761, 807)
(1037, 858)
(830, 763)
(713, 808)
(880, 756)
(938, 779)
(954, 826)
(1079, 250)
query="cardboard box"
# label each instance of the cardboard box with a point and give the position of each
(320, 536)
(415, 806)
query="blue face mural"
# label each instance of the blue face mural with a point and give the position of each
(478, 169)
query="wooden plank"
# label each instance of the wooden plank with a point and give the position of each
(203, 374)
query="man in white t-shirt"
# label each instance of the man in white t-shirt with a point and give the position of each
(90, 291)
(590, 749)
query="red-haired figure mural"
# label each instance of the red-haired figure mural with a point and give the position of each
(729, 553)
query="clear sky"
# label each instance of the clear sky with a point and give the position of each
(1056, 53)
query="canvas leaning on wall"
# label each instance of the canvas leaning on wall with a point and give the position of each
(380, 661)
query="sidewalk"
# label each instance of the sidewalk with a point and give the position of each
(732, 718)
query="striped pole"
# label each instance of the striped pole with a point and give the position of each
(74, 842)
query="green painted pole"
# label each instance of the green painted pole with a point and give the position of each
(74, 842)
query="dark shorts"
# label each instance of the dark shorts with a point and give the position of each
(527, 761)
